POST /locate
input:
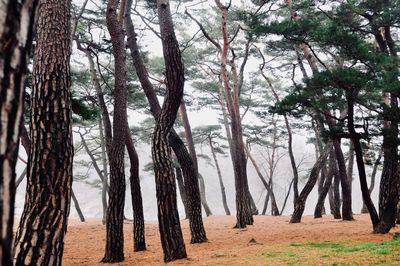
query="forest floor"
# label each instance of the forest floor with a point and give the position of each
(270, 241)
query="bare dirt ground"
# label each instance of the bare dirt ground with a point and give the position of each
(84, 243)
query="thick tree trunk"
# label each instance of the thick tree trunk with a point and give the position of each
(325, 189)
(221, 181)
(187, 165)
(16, 27)
(312, 180)
(389, 186)
(139, 242)
(40, 236)
(114, 250)
(168, 217)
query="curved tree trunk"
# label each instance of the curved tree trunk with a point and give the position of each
(187, 165)
(312, 180)
(16, 27)
(168, 217)
(114, 250)
(40, 236)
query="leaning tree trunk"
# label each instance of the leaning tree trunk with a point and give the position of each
(187, 165)
(312, 180)
(168, 217)
(192, 151)
(355, 138)
(77, 207)
(114, 250)
(40, 236)
(16, 27)
(139, 242)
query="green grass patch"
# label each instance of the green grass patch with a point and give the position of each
(382, 248)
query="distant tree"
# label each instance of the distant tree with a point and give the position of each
(40, 236)
(16, 36)
(209, 136)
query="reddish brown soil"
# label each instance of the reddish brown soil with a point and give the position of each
(84, 244)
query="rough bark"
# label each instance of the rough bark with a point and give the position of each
(114, 249)
(187, 165)
(312, 180)
(40, 236)
(16, 27)
(221, 181)
(168, 217)
(139, 242)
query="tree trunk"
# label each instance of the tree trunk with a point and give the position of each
(347, 213)
(77, 207)
(312, 180)
(139, 242)
(104, 183)
(40, 236)
(389, 186)
(221, 182)
(168, 217)
(335, 199)
(114, 250)
(197, 236)
(187, 165)
(355, 138)
(373, 176)
(182, 191)
(16, 27)
(243, 206)
(327, 185)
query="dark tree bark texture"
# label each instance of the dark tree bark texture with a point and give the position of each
(40, 236)
(168, 217)
(182, 154)
(16, 29)
(114, 250)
